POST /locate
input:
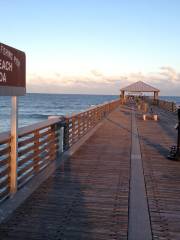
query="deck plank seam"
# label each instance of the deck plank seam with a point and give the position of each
(139, 219)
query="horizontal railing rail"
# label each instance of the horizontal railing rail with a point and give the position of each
(166, 105)
(77, 125)
(40, 144)
(170, 106)
(37, 147)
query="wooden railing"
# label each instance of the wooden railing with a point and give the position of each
(78, 125)
(40, 144)
(4, 165)
(169, 106)
(37, 147)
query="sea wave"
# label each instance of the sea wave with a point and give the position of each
(35, 116)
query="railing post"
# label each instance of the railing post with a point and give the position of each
(89, 119)
(36, 151)
(14, 146)
(83, 122)
(61, 138)
(59, 127)
(66, 135)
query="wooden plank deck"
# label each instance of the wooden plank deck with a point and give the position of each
(162, 176)
(88, 196)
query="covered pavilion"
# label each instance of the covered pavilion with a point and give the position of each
(139, 87)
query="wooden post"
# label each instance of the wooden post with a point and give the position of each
(173, 107)
(14, 146)
(61, 140)
(60, 130)
(36, 151)
(66, 134)
(154, 100)
(122, 97)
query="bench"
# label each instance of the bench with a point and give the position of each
(148, 116)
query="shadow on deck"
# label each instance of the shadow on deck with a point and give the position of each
(88, 196)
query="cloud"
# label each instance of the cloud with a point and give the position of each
(166, 78)
(96, 73)
(170, 74)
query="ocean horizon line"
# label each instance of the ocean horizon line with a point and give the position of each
(92, 94)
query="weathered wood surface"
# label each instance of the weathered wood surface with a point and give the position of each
(87, 197)
(138, 206)
(162, 176)
(37, 147)
(39, 144)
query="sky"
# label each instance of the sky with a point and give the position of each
(95, 46)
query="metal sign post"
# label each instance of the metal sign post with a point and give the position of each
(14, 145)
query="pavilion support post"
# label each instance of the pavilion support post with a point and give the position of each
(155, 98)
(122, 97)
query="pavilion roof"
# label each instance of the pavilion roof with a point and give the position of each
(139, 87)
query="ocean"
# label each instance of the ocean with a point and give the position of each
(36, 107)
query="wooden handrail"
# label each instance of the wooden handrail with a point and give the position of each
(79, 124)
(37, 126)
(4, 137)
(40, 143)
(166, 105)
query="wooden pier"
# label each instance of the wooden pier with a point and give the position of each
(99, 192)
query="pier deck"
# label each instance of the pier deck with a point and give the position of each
(95, 194)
